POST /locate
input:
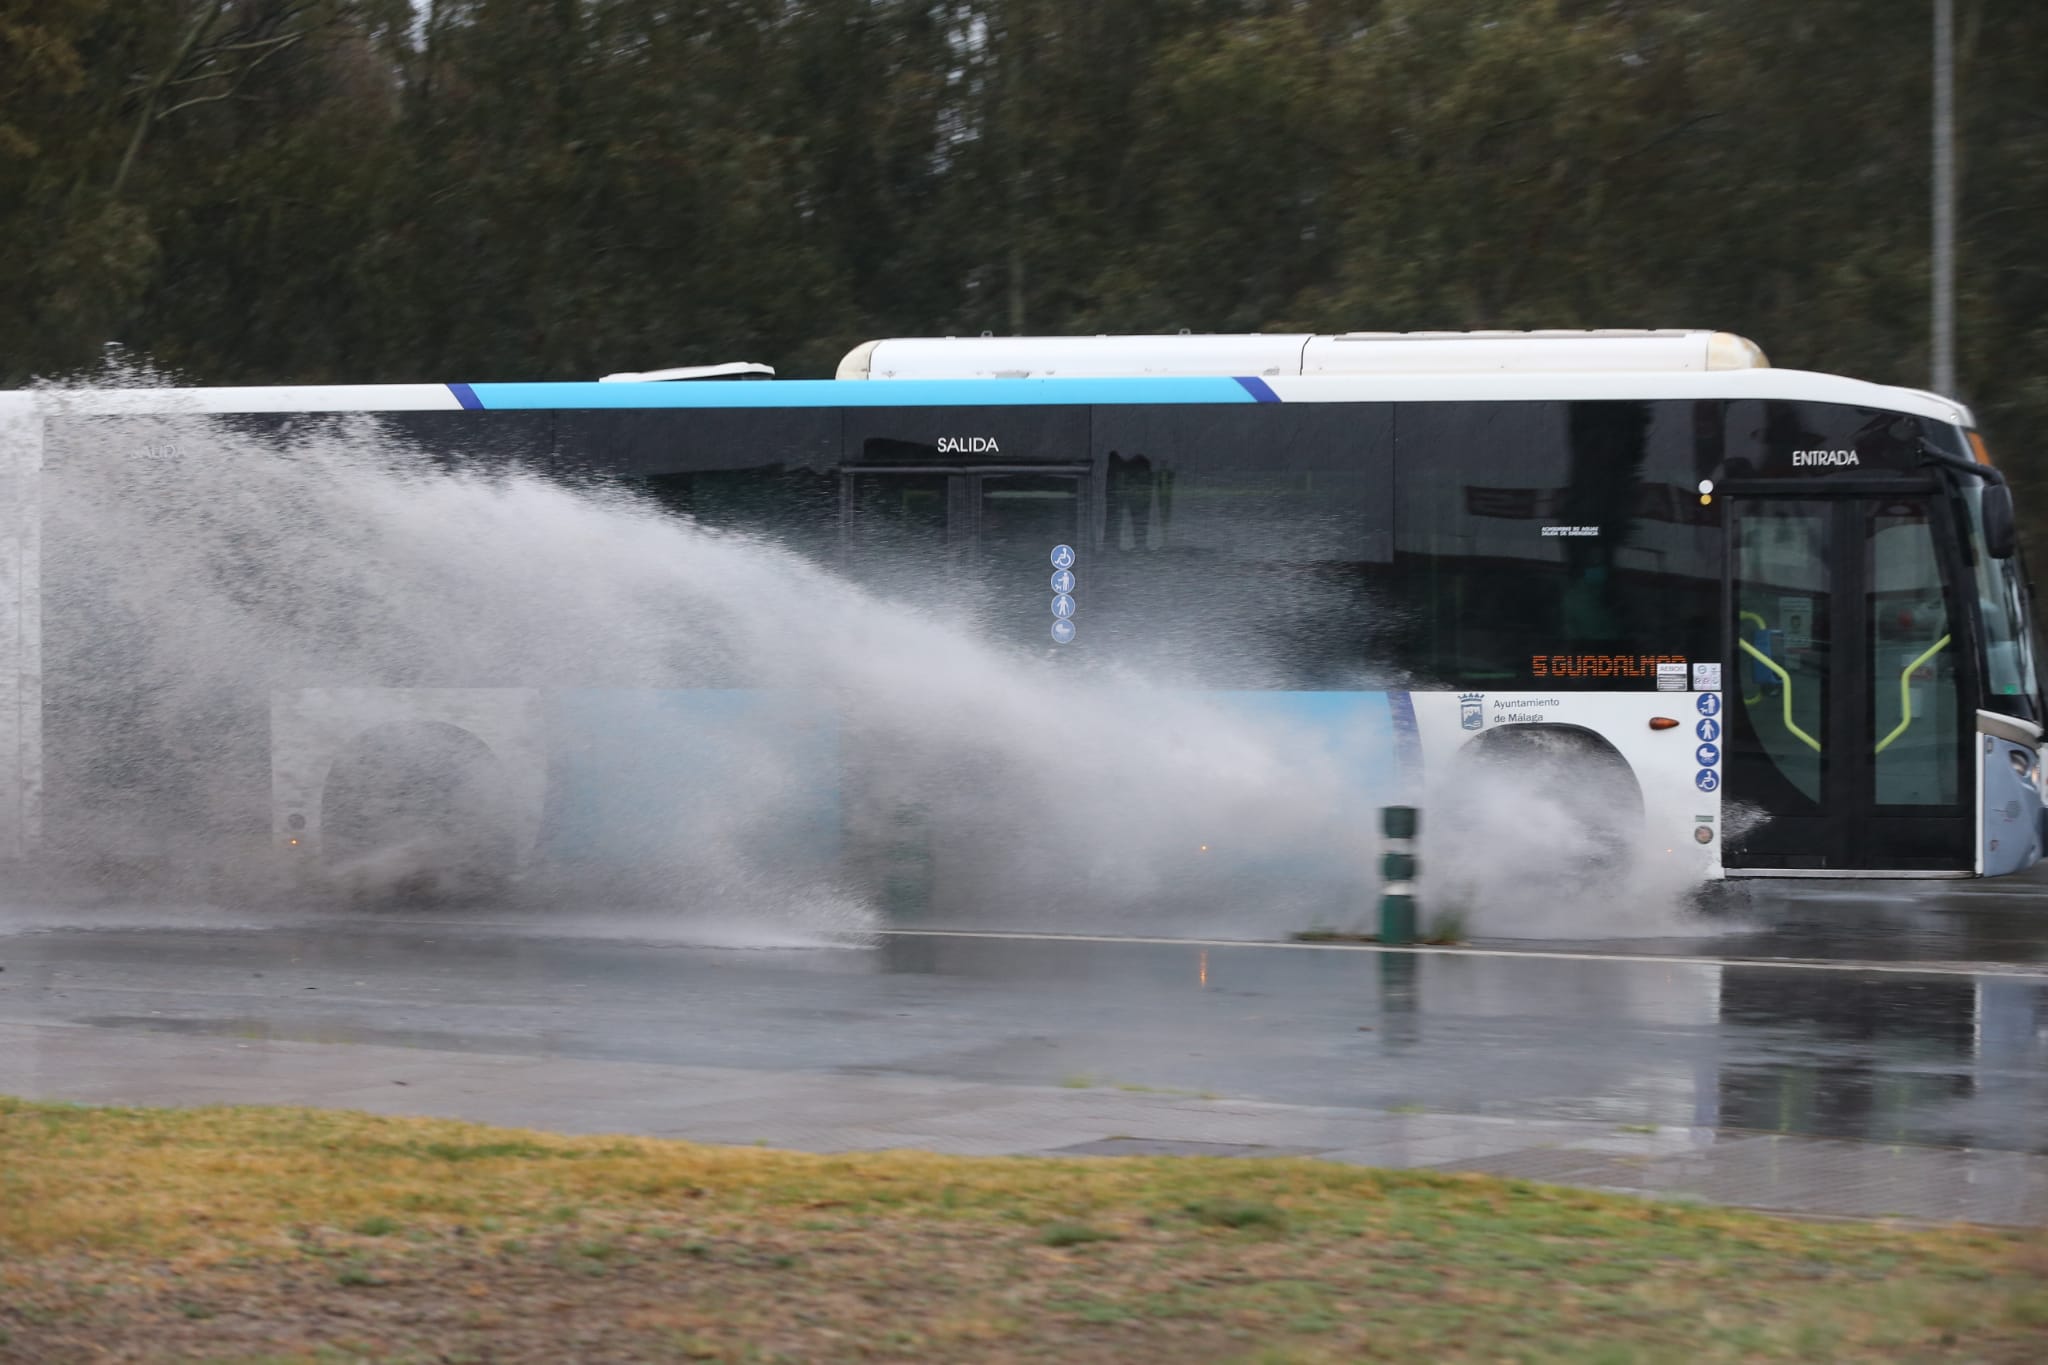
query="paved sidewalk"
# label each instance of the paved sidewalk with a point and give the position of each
(835, 1111)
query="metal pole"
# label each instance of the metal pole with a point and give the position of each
(1944, 303)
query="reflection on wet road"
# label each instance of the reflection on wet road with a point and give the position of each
(1954, 1057)
(1990, 921)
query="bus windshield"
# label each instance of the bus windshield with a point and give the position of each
(2009, 672)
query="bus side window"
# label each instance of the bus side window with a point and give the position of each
(1238, 545)
(1560, 542)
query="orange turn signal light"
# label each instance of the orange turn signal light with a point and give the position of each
(1663, 723)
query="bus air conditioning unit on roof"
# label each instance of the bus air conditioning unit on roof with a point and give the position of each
(1289, 354)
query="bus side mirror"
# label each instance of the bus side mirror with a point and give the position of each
(2001, 535)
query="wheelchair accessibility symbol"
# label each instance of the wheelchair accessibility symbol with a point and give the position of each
(1706, 779)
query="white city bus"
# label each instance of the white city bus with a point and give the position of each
(1780, 611)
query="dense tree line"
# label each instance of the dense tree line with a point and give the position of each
(268, 190)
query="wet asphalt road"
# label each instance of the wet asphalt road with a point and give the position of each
(1915, 1015)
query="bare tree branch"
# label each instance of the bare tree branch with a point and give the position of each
(206, 58)
(147, 117)
(236, 80)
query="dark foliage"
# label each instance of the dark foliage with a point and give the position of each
(271, 190)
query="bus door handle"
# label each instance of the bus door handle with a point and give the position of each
(1906, 694)
(1785, 681)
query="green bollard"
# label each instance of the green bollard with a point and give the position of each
(1398, 870)
(1397, 920)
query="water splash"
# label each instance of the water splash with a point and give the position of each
(196, 570)
(724, 728)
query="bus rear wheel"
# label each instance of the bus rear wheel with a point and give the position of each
(415, 812)
(1534, 810)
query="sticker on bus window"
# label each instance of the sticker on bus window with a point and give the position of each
(1706, 677)
(1671, 677)
(1797, 615)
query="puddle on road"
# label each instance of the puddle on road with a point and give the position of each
(256, 1030)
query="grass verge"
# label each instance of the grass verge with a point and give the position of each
(244, 1235)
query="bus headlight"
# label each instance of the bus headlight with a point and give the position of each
(2027, 765)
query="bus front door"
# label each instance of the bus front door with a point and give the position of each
(1846, 745)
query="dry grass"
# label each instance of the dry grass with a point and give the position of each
(262, 1235)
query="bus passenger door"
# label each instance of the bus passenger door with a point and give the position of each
(976, 544)
(1845, 742)
(1021, 519)
(973, 545)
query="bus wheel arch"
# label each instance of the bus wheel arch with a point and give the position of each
(415, 807)
(1547, 779)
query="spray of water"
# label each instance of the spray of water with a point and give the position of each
(197, 571)
(1543, 839)
(834, 754)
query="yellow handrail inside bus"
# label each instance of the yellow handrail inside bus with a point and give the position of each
(1752, 698)
(1786, 678)
(1906, 694)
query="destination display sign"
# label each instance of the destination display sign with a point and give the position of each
(1618, 667)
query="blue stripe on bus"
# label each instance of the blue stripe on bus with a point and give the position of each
(1258, 388)
(466, 395)
(887, 393)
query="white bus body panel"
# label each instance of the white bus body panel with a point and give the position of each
(284, 398)
(311, 727)
(1520, 387)
(1674, 807)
